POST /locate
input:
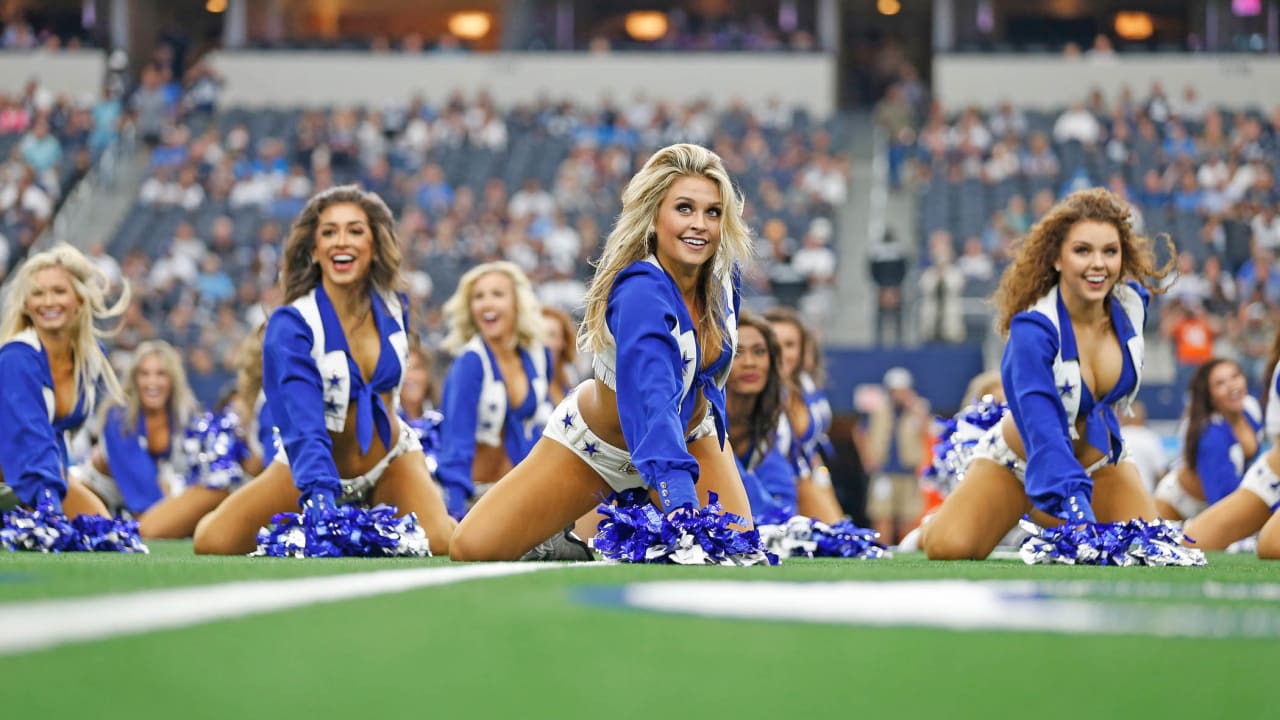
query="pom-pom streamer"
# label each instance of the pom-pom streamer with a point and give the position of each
(343, 531)
(47, 529)
(636, 531)
(1133, 542)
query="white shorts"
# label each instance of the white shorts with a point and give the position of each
(1261, 481)
(358, 489)
(993, 447)
(612, 463)
(1170, 491)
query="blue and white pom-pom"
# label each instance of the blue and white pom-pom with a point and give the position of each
(47, 529)
(427, 429)
(800, 536)
(1133, 542)
(343, 531)
(957, 440)
(217, 449)
(636, 531)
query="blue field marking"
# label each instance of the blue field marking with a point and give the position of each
(12, 577)
(1202, 610)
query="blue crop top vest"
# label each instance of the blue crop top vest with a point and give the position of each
(310, 380)
(654, 364)
(1040, 370)
(33, 442)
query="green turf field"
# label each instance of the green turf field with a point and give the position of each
(532, 646)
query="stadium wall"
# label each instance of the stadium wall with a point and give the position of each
(260, 79)
(66, 72)
(1052, 81)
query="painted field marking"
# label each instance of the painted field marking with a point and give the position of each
(1026, 606)
(37, 625)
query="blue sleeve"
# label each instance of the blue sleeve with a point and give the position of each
(650, 385)
(30, 455)
(131, 465)
(458, 403)
(1218, 474)
(295, 399)
(1054, 475)
(778, 478)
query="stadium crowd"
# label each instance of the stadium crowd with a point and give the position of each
(468, 182)
(1203, 175)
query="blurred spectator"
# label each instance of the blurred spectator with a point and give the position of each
(1192, 332)
(941, 285)
(1077, 124)
(896, 119)
(888, 260)
(151, 106)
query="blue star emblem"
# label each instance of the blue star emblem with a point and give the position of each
(590, 449)
(493, 406)
(330, 406)
(1066, 388)
(685, 359)
(334, 381)
(567, 420)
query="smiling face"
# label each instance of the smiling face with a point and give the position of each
(1090, 261)
(688, 223)
(343, 246)
(493, 307)
(154, 384)
(791, 342)
(1227, 388)
(750, 370)
(52, 303)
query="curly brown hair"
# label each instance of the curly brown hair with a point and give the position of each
(1031, 273)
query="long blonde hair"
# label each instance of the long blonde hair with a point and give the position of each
(249, 373)
(457, 309)
(301, 273)
(634, 238)
(91, 286)
(182, 403)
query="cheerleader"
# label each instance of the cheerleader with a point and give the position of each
(1253, 506)
(1223, 437)
(496, 399)
(809, 414)
(227, 462)
(661, 322)
(141, 457)
(54, 373)
(562, 341)
(334, 358)
(758, 429)
(420, 394)
(1072, 306)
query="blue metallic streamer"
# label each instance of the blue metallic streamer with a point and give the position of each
(1133, 542)
(801, 536)
(956, 442)
(322, 530)
(216, 446)
(636, 531)
(47, 529)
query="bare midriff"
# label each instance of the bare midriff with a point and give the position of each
(599, 407)
(1083, 451)
(346, 448)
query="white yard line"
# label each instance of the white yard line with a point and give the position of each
(28, 626)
